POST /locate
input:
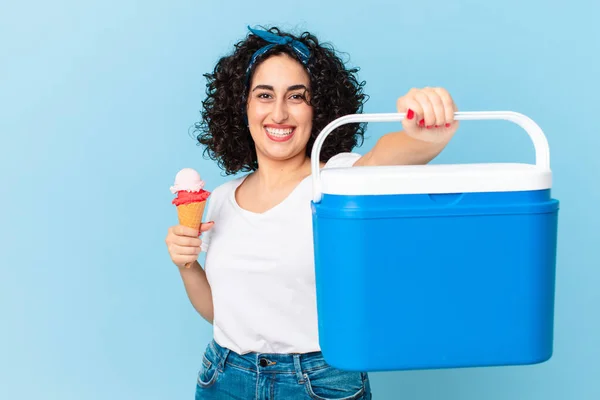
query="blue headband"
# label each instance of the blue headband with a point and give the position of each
(299, 48)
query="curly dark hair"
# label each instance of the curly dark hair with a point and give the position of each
(334, 92)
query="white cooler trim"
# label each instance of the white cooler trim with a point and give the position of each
(428, 179)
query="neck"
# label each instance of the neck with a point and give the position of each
(272, 174)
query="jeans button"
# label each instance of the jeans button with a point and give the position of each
(263, 362)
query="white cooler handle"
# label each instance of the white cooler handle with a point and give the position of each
(542, 152)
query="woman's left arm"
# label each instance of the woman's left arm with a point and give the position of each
(428, 127)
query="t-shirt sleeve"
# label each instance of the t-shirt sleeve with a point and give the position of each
(342, 160)
(208, 216)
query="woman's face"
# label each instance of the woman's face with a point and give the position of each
(279, 118)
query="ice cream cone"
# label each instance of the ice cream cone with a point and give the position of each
(191, 199)
(190, 214)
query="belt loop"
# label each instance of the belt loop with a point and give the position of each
(223, 359)
(298, 368)
(222, 353)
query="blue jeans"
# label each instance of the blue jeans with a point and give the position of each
(225, 374)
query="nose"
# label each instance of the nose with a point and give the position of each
(280, 112)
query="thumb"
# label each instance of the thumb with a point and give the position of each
(206, 226)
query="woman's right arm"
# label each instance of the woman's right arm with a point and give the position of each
(183, 244)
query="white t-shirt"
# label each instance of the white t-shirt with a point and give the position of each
(260, 268)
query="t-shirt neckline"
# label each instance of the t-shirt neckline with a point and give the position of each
(270, 210)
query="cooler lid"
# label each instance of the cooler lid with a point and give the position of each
(431, 178)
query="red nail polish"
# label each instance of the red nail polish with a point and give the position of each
(422, 122)
(437, 126)
(410, 114)
(428, 126)
(447, 125)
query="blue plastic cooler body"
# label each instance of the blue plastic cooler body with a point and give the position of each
(418, 281)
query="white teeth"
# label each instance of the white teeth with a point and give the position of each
(279, 132)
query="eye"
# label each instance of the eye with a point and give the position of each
(297, 96)
(263, 96)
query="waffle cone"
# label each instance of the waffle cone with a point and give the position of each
(191, 214)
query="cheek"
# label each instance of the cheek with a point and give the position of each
(256, 112)
(309, 127)
(305, 116)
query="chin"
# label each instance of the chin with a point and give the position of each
(281, 153)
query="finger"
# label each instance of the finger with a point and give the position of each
(428, 112)
(182, 230)
(187, 241)
(206, 226)
(449, 105)
(177, 250)
(409, 103)
(438, 107)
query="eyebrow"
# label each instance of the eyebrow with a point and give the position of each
(269, 87)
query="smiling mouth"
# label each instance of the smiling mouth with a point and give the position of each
(279, 134)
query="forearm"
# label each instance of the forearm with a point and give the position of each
(397, 148)
(198, 290)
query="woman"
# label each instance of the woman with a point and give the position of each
(266, 103)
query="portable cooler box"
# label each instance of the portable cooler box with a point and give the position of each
(435, 266)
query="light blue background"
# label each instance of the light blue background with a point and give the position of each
(96, 99)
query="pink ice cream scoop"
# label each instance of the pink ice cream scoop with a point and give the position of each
(188, 180)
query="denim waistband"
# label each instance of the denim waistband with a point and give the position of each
(268, 362)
